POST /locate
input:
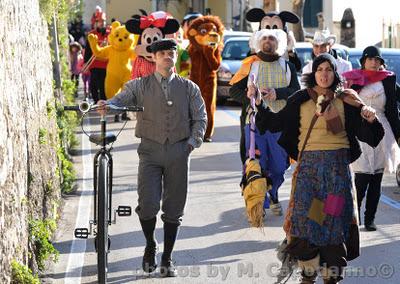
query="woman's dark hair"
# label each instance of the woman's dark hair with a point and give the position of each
(309, 79)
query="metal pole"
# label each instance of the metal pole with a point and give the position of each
(241, 15)
(56, 62)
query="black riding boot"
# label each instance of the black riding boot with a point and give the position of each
(167, 268)
(149, 262)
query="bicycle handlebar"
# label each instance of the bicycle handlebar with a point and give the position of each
(86, 107)
(68, 108)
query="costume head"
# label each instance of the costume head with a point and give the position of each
(309, 79)
(262, 35)
(119, 38)
(206, 31)
(151, 28)
(371, 52)
(271, 20)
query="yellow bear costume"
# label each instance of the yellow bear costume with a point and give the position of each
(119, 52)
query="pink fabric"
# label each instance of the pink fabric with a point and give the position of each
(334, 205)
(364, 77)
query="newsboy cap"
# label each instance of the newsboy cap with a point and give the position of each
(163, 44)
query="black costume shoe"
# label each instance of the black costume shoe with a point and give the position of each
(167, 268)
(208, 139)
(149, 262)
(308, 279)
(370, 226)
(116, 118)
(331, 281)
(124, 116)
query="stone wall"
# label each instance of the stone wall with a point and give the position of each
(29, 186)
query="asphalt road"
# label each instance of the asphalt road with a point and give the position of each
(215, 244)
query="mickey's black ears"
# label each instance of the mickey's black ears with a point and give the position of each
(171, 26)
(255, 15)
(133, 26)
(289, 17)
(144, 13)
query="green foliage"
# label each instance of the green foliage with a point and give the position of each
(48, 8)
(40, 232)
(42, 136)
(49, 187)
(67, 171)
(50, 109)
(21, 274)
(66, 122)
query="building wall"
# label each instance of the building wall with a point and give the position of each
(122, 10)
(367, 13)
(26, 164)
(219, 8)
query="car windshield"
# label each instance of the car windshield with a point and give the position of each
(235, 50)
(392, 62)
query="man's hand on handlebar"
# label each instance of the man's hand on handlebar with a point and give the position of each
(101, 109)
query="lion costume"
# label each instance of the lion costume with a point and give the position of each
(205, 36)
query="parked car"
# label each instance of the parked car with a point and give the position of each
(235, 50)
(391, 56)
(230, 34)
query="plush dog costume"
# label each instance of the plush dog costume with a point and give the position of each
(119, 52)
(150, 29)
(205, 36)
(274, 20)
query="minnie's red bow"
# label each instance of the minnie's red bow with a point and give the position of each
(146, 22)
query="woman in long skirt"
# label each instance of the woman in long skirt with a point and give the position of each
(321, 221)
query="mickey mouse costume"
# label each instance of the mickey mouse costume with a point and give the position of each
(275, 20)
(150, 28)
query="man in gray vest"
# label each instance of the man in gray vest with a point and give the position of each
(172, 124)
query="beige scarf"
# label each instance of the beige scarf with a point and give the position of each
(323, 98)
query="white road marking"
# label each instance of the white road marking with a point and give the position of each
(78, 247)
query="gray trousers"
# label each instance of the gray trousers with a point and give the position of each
(163, 176)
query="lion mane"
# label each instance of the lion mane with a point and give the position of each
(205, 37)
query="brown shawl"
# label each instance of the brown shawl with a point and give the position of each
(325, 108)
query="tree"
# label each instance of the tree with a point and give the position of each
(298, 30)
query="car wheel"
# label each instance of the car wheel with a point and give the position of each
(398, 175)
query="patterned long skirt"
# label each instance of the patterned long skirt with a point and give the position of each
(323, 198)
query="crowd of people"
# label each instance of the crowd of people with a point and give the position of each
(340, 122)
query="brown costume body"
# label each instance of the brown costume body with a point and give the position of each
(205, 36)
